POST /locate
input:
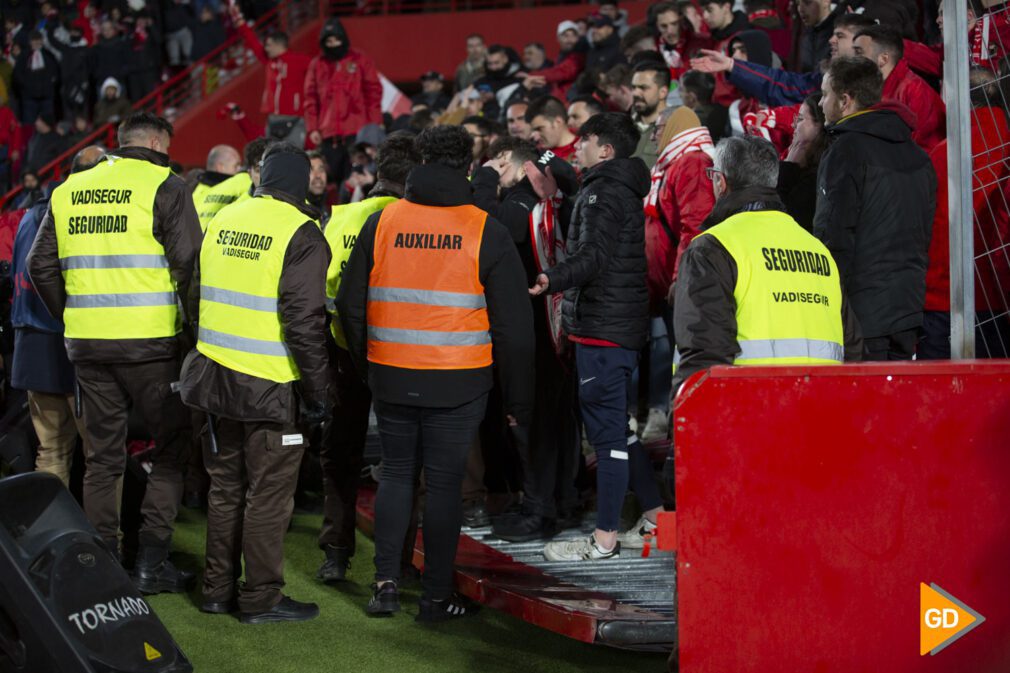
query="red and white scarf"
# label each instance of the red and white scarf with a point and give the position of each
(691, 140)
(549, 249)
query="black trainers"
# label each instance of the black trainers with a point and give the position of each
(523, 528)
(453, 607)
(336, 565)
(288, 610)
(385, 600)
(475, 515)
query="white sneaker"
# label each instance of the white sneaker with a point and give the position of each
(579, 549)
(633, 424)
(656, 427)
(634, 537)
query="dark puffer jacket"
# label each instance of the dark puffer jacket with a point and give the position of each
(603, 277)
(875, 205)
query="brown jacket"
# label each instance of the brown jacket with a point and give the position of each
(225, 392)
(176, 228)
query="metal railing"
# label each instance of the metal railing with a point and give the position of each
(977, 96)
(189, 87)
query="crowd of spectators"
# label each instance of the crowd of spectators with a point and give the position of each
(72, 66)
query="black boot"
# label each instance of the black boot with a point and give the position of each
(334, 568)
(154, 573)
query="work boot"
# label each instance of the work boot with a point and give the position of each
(288, 610)
(153, 573)
(334, 568)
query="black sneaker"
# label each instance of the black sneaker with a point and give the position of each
(288, 610)
(453, 607)
(385, 600)
(523, 528)
(475, 515)
(336, 565)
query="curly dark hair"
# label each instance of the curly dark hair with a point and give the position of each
(449, 146)
(397, 157)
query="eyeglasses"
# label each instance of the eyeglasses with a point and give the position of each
(711, 172)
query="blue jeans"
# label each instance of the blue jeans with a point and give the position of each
(620, 458)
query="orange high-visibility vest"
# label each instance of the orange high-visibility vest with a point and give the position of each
(426, 306)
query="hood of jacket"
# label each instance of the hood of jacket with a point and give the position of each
(334, 27)
(889, 121)
(759, 46)
(285, 176)
(631, 172)
(438, 185)
(113, 82)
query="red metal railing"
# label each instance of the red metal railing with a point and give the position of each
(189, 87)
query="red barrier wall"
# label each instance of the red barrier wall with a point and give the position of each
(403, 47)
(812, 503)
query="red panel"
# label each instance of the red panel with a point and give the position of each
(812, 503)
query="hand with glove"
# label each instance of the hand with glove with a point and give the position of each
(314, 414)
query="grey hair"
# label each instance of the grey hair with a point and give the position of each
(747, 161)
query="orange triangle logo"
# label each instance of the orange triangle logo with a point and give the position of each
(942, 619)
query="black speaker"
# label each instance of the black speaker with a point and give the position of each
(66, 604)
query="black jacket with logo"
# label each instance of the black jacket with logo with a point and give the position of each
(876, 194)
(511, 318)
(603, 276)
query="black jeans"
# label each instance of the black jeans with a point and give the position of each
(437, 440)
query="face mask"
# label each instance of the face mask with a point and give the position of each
(335, 53)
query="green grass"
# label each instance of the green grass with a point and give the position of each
(342, 638)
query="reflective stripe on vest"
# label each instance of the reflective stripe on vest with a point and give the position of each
(233, 190)
(342, 233)
(426, 305)
(788, 293)
(116, 275)
(240, 270)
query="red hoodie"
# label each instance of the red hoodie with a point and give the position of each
(906, 87)
(990, 148)
(283, 91)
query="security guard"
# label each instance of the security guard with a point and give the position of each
(113, 256)
(431, 284)
(260, 372)
(342, 451)
(755, 288)
(223, 161)
(235, 189)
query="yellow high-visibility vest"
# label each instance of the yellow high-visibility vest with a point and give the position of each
(233, 190)
(342, 233)
(788, 293)
(115, 272)
(240, 271)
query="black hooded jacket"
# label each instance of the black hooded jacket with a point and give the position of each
(759, 46)
(739, 24)
(603, 276)
(876, 194)
(508, 307)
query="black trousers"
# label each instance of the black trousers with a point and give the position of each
(897, 346)
(437, 440)
(108, 392)
(550, 456)
(341, 455)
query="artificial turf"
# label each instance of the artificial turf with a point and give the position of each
(342, 638)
